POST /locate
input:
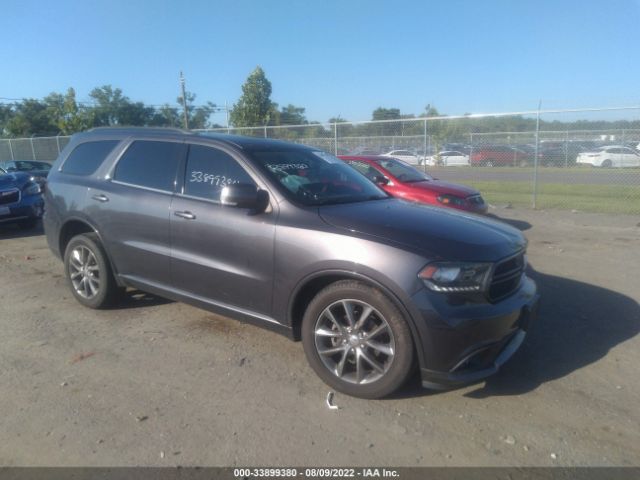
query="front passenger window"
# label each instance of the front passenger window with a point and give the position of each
(209, 170)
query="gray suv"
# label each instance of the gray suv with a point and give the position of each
(291, 238)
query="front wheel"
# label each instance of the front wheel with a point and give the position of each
(357, 340)
(607, 164)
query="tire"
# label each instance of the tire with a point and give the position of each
(88, 272)
(346, 364)
(607, 164)
(28, 224)
(488, 163)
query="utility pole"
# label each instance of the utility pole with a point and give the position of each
(184, 102)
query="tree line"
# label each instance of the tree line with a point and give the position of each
(62, 114)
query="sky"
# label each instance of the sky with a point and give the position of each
(333, 57)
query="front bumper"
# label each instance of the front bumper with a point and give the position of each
(463, 343)
(29, 207)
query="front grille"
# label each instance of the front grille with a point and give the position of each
(506, 277)
(9, 196)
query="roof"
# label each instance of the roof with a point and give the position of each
(239, 141)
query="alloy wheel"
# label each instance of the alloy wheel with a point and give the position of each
(84, 272)
(354, 341)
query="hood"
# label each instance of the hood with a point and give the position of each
(435, 232)
(14, 180)
(444, 187)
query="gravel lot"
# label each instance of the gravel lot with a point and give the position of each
(161, 383)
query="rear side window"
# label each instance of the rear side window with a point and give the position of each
(209, 170)
(87, 157)
(150, 164)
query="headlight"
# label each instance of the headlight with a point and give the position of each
(448, 199)
(456, 277)
(31, 189)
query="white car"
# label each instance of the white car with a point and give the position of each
(405, 156)
(450, 158)
(610, 156)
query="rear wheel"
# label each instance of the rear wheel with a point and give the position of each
(357, 340)
(488, 163)
(88, 272)
(607, 164)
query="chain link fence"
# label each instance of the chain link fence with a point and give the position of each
(585, 160)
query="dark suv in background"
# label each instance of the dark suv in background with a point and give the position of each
(291, 238)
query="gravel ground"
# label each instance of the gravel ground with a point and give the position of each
(161, 383)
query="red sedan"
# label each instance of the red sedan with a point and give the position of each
(401, 180)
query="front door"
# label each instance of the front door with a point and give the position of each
(220, 253)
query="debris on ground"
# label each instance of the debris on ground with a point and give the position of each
(142, 418)
(509, 440)
(554, 456)
(82, 356)
(330, 402)
(161, 454)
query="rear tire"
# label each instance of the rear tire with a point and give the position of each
(88, 272)
(357, 341)
(607, 164)
(488, 163)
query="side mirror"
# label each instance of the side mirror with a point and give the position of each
(242, 195)
(380, 180)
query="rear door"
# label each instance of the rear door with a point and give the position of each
(220, 253)
(132, 209)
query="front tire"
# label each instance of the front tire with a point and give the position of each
(88, 272)
(357, 341)
(607, 164)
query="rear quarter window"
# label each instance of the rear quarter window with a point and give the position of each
(87, 157)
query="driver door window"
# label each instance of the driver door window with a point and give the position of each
(209, 170)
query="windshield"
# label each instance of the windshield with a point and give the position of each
(316, 178)
(403, 172)
(25, 166)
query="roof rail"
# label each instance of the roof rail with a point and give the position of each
(125, 129)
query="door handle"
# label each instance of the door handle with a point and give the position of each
(101, 198)
(186, 215)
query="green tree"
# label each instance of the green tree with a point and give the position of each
(114, 108)
(292, 115)
(6, 114)
(385, 129)
(254, 108)
(198, 116)
(166, 116)
(66, 114)
(31, 117)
